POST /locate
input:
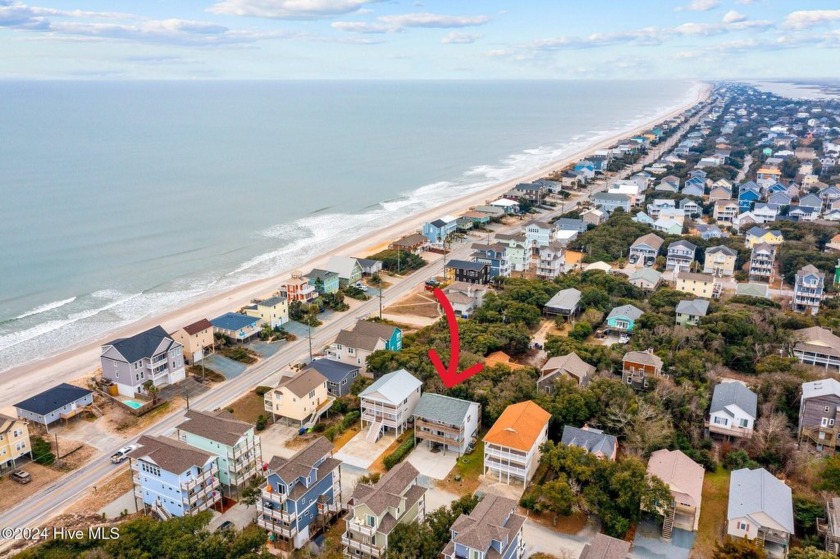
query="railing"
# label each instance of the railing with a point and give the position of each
(371, 550)
(813, 433)
(276, 514)
(273, 497)
(498, 467)
(268, 405)
(509, 455)
(214, 498)
(420, 423)
(192, 498)
(775, 537)
(359, 528)
(138, 492)
(203, 476)
(287, 532)
(731, 430)
(443, 439)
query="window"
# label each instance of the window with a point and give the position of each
(824, 422)
(370, 521)
(743, 526)
(825, 409)
(744, 423)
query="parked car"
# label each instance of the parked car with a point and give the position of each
(21, 477)
(363, 288)
(122, 454)
(226, 526)
(624, 338)
(432, 284)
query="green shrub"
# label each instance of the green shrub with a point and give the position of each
(401, 452)
(41, 451)
(331, 432)
(350, 419)
(262, 422)
(262, 390)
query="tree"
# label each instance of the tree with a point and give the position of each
(252, 491)
(810, 552)
(151, 390)
(557, 497)
(830, 474)
(738, 549)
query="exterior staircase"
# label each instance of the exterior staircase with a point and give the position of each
(310, 421)
(160, 511)
(373, 432)
(668, 524)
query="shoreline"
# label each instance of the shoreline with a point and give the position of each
(81, 359)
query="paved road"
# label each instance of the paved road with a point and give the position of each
(51, 500)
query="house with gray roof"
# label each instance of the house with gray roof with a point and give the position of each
(610, 201)
(733, 410)
(340, 376)
(623, 318)
(353, 346)
(760, 509)
(645, 249)
(606, 547)
(62, 401)
(564, 303)
(638, 367)
(369, 266)
(564, 366)
(689, 313)
(819, 347)
(680, 255)
(645, 278)
(148, 356)
(570, 224)
(591, 440)
(388, 404)
(492, 529)
(348, 269)
(375, 510)
(450, 423)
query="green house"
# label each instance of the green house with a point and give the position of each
(323, 281)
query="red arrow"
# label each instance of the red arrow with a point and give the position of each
(450, 376)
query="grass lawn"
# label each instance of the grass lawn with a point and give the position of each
(468, 467)
(241, 354)
(248, 408)
(209, 374)
(712, 512)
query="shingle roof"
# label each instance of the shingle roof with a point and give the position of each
(682, 474)
(53, 398)
(219, 428)
(272, 301)
(171, 455)
(592, 440)
(564, 299)
(388, 491)
(303, 383)
(493, 518)
(234, 321)
(723, 249)
(197, 327)
(571, 364)
(365, 335)
(301, 463)
(415, 239)
(682, 244)
(643, 357)
(697, 307)
(342, 265)
(646, 274)
(317, 273)
(368, 328)
(519, 426)
(142, 345)
(465, 265)
(729, 393)
(629, 311)
(334, 371)
(693, 276)
(445, 409)
(810, 269)
(6, 423)
(758, 491)
(611, 197)
(606, 547)
(393, 387)
(651, 240)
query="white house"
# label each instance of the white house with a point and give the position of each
(388, 404)
(733, 410)
(512, 446)
(760, 508)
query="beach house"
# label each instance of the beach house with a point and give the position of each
(808, 290)
(760, 509)
(355, 345)
(465, 297)
(298, 288)
(512, 445)
(538, 234)
(758, 235)
(684, 477)
(340, 376)
(301, 494)
(299, 398)
(232, 441)
(720, 261)
(593, 441)
(438, 230)
(680, 255)
(14, 442)
(62, 401)
(469, 272)
(762, 262)
(197, 339)
(611, 201)
(272, 312)
(638, 367)
(819, 414)
(148, 356)
(733, 410)
(376, 509)
(645, 249)
(606, 547)
(623, 318)
(819, 347)
(645, 278)
(568, 366)
(495, 255)
(701, 285)
(563, 303)
(690, 312)
(388, 404)
(324, 281)
(236, 326)
(348, 269)
(172, 478)
(725, 210)
(449, 423)
(551, 260)
(492, 529)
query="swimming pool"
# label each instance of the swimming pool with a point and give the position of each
(132, 404)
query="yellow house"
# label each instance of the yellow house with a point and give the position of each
(197, 339)
(300, 398)
(273, 311)
(14, 441)
(701, 285)
(758, 235)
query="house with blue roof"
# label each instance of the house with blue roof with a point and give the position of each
(152, 355)
(776, 187)
(694, 187)
(236, 326)
(495, 256)
(593, 441)
(59, 402)
(811, 203)
(301, 495)
(340, 376)
(746, 198)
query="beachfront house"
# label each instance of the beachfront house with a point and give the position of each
(684, 477)
(438, 230)
(172, 478)
(301, 494)
(14, 442)
(340, 376)
(733, 410)
(492, 529)
(413, 243)
(819, 347)
(324, 281)
(273, 312)
(564, 366)
(148, 356)
(376, 509)
(298, 288)
(819, 414)
(197, 339)
(236, 326)
(638, 367)
(388, 404)
(348, 269)
(512, 445)
(760, 509)
(232, 441)
(59, 402)
(369, 266)
(593, 441)
(449, 423)
(300, 398)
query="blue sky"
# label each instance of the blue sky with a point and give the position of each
(424, 39)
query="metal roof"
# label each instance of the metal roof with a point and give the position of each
(445, 409)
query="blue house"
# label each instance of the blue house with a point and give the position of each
(236, 326)
(492, 529)
(624, 318)
(495, 255)
(301, 494)
(746, 198)
(776, 188)
(340, 376)
(172, 478)
(437, 231)
(694, 187)
(323, 281)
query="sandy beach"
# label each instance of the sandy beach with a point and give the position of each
(24, 381)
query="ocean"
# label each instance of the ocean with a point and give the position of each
(122, 199)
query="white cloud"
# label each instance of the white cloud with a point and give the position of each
(733, 16)
(458, 38)
(699, 6)
(809, 18)
(288, 9)
(396, 23)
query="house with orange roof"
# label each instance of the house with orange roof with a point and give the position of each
(512, 445)
(501, 358)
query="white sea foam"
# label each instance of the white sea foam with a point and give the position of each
(45, 307)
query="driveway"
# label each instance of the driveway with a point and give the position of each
(224, 366)
(239, 514)
(273, 441)
(435, 465)
(266, 349)
(361, 453)
(436, 498)
(495, 487)
(648, 545)
(540, 539)
(92, 433)
(189, 386)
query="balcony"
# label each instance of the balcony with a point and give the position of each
(198, 494)
(822, 436)
(200, 478)
(358, 528)
(500, 468)
(773, 536)
(287, 532)
(214, 498)
(276, 515)
(138, 492)
(367, 549)
(519, 458)
(729, 430)
(268, 405)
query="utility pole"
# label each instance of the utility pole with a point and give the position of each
(57, 453)
(380, 301)
(309, 331)
(187, 394)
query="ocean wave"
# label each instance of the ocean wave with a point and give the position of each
(45, 307)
